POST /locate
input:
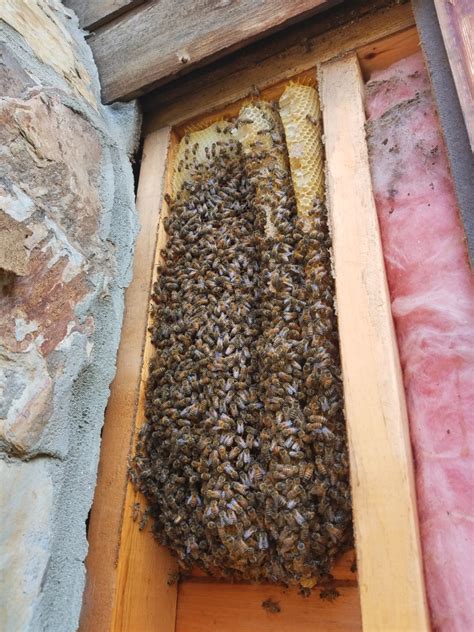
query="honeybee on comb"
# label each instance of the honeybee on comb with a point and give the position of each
(243, 457)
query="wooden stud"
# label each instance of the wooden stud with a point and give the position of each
(385, 517)
(456, 20)
(385, 52)
(145, 598)
(107, 513)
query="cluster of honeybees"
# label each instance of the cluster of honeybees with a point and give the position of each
(243, 457)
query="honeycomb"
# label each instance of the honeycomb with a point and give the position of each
(261, 134)
(301, 116)
(197, 148)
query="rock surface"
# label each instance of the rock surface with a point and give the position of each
(26, 502)
(68, 227)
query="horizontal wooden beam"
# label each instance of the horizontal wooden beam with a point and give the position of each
(388, 548)
(163, 38)
(94, 13)
(373, 30)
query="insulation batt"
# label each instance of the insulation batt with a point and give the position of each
(432, 292)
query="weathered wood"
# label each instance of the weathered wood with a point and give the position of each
(94, 13)
(163, 38)
(276, 61)
(456, 19)
(385, 517)
(128, 585)
(205, 607)
(105, 524)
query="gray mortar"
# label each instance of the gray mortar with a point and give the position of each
(452, 121)
(72, 447)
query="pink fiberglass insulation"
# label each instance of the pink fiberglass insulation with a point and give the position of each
(432, 292)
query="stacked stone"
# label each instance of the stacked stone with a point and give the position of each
(67, 230)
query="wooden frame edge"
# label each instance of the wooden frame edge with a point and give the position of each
(457, 37)
(388, 546)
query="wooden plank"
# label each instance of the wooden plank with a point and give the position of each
(164, 38)
(385, 52)
(143, 598)
(107, 512)
(204, 607)
(270, 63)
(94, 13)
(389, 564)
(456, 19)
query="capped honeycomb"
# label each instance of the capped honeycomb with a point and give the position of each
(261, 134)
(198, 148)
(301, 116)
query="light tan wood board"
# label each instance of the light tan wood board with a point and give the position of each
(110, 510)
(203, 607)
(144, 597)
(164, 38)
(284, 57)
(383, 53)
(384, 504)
(456, 19)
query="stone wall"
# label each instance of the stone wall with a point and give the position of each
(67, 229)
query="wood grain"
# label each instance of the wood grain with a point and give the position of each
(383, 53)
(204, 607)
(385, 517)
(456, 19)
(144, 600)
(94, 13)
(107, 512)
(164, 38)
(274, 62)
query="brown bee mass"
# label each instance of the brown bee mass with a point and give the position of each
(243, 458)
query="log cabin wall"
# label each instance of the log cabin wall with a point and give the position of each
(190, 34)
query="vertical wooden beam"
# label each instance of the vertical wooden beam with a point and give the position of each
(385, 516)
(110, 506)
(145, 599)
(456, 19)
